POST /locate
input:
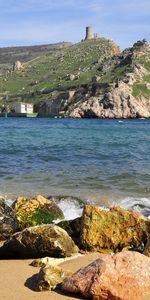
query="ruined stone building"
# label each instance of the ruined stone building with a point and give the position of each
(90, 35)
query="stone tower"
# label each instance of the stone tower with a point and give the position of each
(89, 33)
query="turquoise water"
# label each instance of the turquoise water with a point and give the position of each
(100, 160)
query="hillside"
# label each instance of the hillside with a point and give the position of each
(74, 65)
(9, 55)
(88, 79)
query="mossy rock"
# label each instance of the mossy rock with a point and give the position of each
(39, 241)
(36, 211)
(50, 276)
(113, 230)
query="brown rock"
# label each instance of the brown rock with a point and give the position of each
(50, 276)
(147, 248)
(123, 276)
(39, 241)
(73, 228)
(113, 230)
(8, 221)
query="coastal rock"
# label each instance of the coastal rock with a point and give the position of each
(51, 261)
(39, 241)
(50, 276)
(73, 228)
(147, 248)
(126, 96)
(8, 221)
(36, 211)
(113, 230)
(123, 276)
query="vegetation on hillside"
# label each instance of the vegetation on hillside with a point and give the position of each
(54, 68)
(71, 66)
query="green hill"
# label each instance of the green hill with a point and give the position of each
(74, 65)
(88, 79)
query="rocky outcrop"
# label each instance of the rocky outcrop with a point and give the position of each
(116, 101)
(50, 276)
(18, 66)
(8, 221)
(36, 211)
(122, 276)
(39, 241)
(113, 230)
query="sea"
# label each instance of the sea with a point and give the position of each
(100, 161)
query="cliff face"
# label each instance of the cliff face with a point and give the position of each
(115, 101)
(126, 96)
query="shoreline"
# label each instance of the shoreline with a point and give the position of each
(17, 279)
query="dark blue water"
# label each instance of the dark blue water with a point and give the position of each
(102, 160)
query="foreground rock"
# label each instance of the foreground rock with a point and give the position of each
(50, 276)
(123, 276)
(112, 230)
(39, 241)
(36, 211)
(8, 221)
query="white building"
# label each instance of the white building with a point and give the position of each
(23, 108)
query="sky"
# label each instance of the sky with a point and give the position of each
(33, 22)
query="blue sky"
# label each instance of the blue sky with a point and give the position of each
(28, 22)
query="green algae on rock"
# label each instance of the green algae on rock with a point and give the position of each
(36, 211)
(113, 230)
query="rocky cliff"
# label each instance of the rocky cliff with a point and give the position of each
(126, 96)
(91, 79)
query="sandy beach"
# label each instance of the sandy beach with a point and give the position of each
(17, 279)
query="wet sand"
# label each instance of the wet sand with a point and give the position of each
(17, 279)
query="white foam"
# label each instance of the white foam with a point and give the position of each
(9, 202)
(141, 205)
(70, 208)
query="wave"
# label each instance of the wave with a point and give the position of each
(141, 205)
(73, 207)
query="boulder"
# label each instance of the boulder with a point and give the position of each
(39, 241)
(147, 248)
(36, 211)
(113, 230)
(8, 221)
(50, 276)
(73, 228)
(123, 276)
(18, 66)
